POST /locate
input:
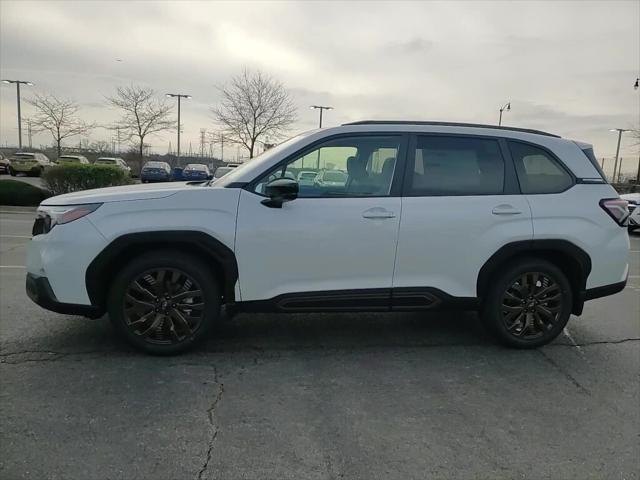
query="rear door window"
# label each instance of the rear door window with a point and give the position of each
(453, 165)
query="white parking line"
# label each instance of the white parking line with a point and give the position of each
(12, 266)
(15, 236)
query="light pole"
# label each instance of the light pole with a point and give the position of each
(179, 96)
(615, 164)
(321, 108)
(18, 83)
(507, 107)
(635, 87)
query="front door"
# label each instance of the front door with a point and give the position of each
(334, 246)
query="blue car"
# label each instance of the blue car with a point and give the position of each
(196, 172)
(155, 172)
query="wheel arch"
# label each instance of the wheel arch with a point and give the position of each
(571, 259)
(219, 257)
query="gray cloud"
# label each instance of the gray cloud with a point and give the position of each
(567, 67)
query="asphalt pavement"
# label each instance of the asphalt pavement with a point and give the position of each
(406, 395)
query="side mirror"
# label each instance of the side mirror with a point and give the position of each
(279, 191)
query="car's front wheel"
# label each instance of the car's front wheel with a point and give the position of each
(164, 302)
(528, 304)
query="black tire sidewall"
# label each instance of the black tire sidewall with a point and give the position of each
(492, 312)
(164, 259)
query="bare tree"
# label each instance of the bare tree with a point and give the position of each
(253, 106)
(143, 114)
(58, 116)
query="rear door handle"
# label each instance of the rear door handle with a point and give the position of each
(378, 212)
(505, 209)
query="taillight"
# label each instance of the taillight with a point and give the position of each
(617, 209)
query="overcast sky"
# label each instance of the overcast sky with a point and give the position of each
(566, 67)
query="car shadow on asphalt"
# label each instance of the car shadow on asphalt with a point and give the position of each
(272, 332)
(346, 331)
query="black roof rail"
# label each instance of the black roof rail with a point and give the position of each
(450, 124)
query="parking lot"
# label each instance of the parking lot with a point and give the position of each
(407, 395)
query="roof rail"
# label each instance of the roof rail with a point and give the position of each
(449, 124)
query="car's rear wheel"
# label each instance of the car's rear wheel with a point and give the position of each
(529, 304)
(12, 172)
(164, 302)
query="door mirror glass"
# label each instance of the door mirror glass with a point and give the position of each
(279, 191)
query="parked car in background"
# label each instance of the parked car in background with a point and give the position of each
(330, 178)
(221, 172)
(634, 210)
(32, 164)
(195, 172)
(72, 159)
(4, 164)
(115, 162)
(155, 172)
(306, 177)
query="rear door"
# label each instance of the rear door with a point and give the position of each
(460, 204)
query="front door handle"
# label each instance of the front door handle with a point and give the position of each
(505, 209)
(378, 212)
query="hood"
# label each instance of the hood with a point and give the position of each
(120, 194)
(633, 198)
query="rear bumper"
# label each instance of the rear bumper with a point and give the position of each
(154, 178)
(25, 168)
(39, 290)
(603, 291)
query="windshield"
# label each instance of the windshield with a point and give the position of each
(257, 163)
(196, 166)
(69, 159)
(26, 156)
(155, 165)
(106, 161)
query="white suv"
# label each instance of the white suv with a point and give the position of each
(517, 224)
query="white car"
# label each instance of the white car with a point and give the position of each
(519, 225)
(634, 210)
(114, 161)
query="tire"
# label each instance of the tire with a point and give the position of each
(12, 172)
(528, 322)
(157, 325)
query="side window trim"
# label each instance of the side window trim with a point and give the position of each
(554, 159)
(396, 182)
(510, 186)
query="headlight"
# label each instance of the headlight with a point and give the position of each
(59, 215)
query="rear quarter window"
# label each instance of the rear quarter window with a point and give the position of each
(538, 171)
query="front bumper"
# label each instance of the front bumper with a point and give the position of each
(39, 290)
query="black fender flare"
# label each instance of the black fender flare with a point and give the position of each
(581, 263)
(101, 270)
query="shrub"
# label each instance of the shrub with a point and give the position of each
(15, 192)
(72, 178)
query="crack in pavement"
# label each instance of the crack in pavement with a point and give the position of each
(211, 416)
(566, 374)
(6, 357)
